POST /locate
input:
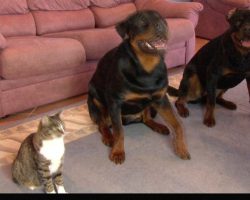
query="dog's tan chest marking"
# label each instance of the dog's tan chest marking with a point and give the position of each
(132, 96)
(148, 62)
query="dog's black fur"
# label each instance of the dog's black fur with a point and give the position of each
(219, 65)
(131, 81)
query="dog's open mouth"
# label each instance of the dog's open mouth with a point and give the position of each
(157, 44)
(242, 41)
(245, 43)
(153, 46)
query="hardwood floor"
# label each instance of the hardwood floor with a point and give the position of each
(43, 109)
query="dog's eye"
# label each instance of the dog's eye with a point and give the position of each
(238, 23)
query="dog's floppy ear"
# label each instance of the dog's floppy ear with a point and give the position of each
(230, 13)
(234, 18)
(122, 29)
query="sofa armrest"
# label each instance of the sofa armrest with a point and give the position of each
(223, 6)
(237, 3)
(168, 9)
(3, 42)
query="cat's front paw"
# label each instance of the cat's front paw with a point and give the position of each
(61, 190)
(51, 192)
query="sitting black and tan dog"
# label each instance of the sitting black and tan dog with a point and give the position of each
(221, 64)
(131, 81)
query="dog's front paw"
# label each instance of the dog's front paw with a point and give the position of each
(118, 157)
(181, 151)
(182, 110)
(209, 122)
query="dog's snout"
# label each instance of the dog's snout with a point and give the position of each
(246, 29)
(159, 27)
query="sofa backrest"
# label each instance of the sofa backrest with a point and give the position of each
(108, 14)
(15, 18)
(31, 17)
(56, 16)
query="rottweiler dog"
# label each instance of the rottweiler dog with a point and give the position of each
(130, 84)
(219, 65)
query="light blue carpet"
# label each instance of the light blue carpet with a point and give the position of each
(220, 160)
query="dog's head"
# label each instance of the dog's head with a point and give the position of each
(239, 20)
(146, 31)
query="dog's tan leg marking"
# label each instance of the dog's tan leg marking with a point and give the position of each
(148, 121)
(117, 154)
(209, 119)
(166, 112)
(181, 108)
(195, 89)
(194, 92)
(107, 137)
(103, 126)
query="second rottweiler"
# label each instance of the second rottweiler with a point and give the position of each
(219, 65)
(130, 80)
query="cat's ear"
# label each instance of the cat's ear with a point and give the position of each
(59, 114)
(45, 121)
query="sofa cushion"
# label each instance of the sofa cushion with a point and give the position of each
(3, 42)
(96, 42)
(58, 4)
(17, 25)
(108, 3)
(13, 7)
(105, 17)
(57, 21)
(32, 56)
(180, 30)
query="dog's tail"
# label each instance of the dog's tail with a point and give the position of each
(173, 91)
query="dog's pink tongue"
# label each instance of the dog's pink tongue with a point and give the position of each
(160, 44)
(246, 44)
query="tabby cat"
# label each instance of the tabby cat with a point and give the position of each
(39, 160)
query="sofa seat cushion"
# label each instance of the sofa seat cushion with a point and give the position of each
(96, 42)
(10, 84)
(3, 42)
(33, 56)
(180, 31)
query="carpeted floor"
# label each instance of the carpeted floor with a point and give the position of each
(220, 160)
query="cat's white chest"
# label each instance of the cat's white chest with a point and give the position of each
(53, 150)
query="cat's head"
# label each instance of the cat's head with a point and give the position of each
(52, 126)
